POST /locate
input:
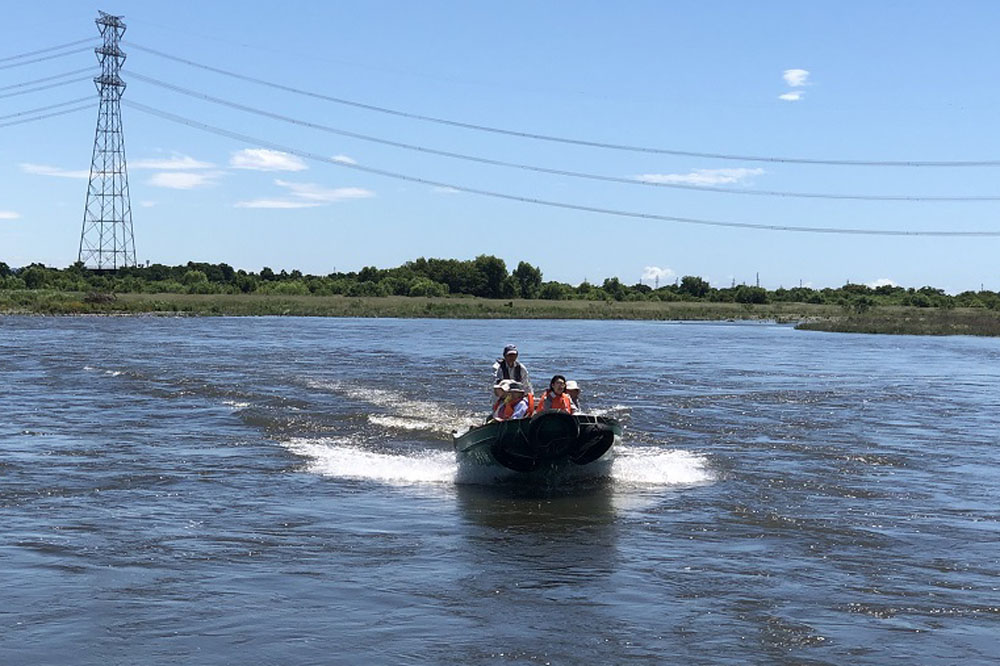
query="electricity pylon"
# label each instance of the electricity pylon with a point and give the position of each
(106, 239)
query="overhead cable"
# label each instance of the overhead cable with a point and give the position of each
(46, 50)
(556, 172)
(542, 202)
(49, 115)
(48, 57)
(23, 84)
(88, 98)
(45, 87)
(568, 140)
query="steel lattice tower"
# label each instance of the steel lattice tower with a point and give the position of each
(106, 240)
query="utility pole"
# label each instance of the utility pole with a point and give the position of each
(106, 238)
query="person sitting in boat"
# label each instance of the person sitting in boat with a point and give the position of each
(573, 390)
(515, 404)
(555, 397)
(499, 392)
(509, 367)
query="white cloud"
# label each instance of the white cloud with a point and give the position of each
(9, 215)
(318, 193)
(175, 161)
(653, 273)
(344, 159)
(702, 176)
(793, 96)
(276, 203)
(58, 172)
(882, 282)
(261, 159)
(181, 180)
(444, 190)
(147, 204)
(796, 78)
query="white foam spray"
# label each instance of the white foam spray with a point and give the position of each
(343, 457)
(406, 414)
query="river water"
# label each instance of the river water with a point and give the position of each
(283, 491)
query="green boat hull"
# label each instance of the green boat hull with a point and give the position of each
(545, 440)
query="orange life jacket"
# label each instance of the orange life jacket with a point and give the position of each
(506, 410)
(554, 401)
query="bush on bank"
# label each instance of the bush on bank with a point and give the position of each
(485, 276)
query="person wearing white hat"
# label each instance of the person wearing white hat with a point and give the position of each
(515, 404)
(573, 390)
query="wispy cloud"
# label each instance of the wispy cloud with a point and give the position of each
(344, 159)
(174, 162)
(882, 282)
(652, 273)
(147, 204)
(182, 180)
(314, 192)
(57, 172)
(796, 78)
(702, 177)
(9, 215)
(276, 203)
(438, 189)
(262, 159)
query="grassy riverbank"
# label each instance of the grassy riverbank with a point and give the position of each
(891, 320)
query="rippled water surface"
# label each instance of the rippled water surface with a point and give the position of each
(283, 491)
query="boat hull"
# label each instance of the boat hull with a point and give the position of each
(545, 440)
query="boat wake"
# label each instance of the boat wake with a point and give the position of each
(404, 413)
(341, 457)
(345, 458)
(651, 466)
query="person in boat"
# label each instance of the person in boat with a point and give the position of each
(515, 404)
(555, 397)
(573, 390)
(510, 368)
(499, 392)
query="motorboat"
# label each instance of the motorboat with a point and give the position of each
(545, 440)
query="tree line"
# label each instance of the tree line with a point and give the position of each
(485, 276)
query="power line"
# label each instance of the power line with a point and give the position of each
(556, 172)
(88, 98)
(46, 50)
(45, 87)
(542, 202)
(48, 78)
(48, 57)
(572, 141)
(48, 115)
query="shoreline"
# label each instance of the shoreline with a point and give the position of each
(892, 320)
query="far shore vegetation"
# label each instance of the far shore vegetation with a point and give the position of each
(484, 288)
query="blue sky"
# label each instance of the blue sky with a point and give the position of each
(866, 81)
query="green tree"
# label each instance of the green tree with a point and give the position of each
(493, 270)
(747, 294)
(694, 286)
(424, 287)
(510, 287)
(193, 277)
(529, 278)
(35, 276)
(554, 291)
(615, 288)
